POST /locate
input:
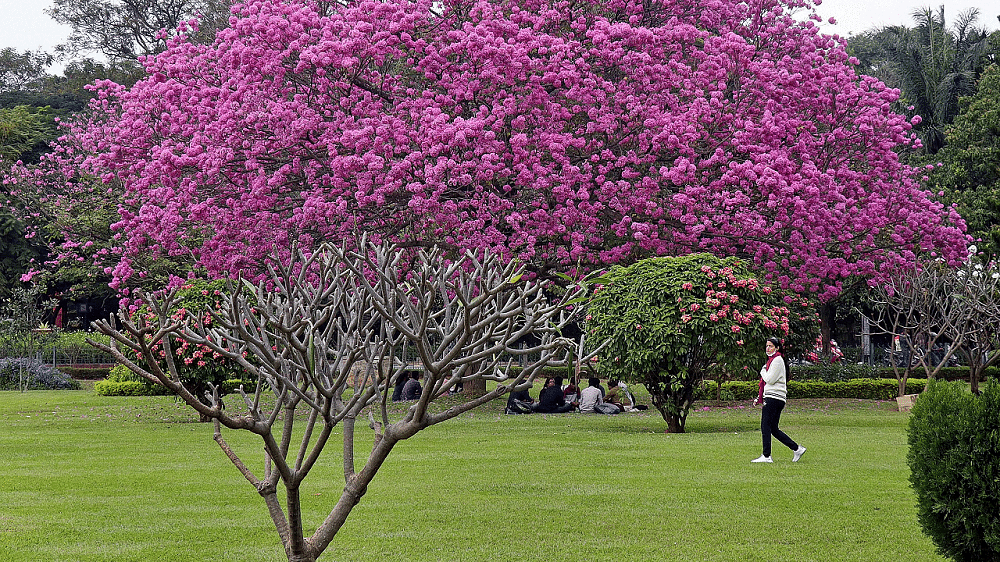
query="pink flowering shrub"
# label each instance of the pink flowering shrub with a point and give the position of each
(198, 365)
(700, 316)
(592, 132)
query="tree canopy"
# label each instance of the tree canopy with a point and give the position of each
(585, 133)
(970, 170)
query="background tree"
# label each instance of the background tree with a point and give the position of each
(121, 31)
(621, 132)
(672, 322)
(934, 65)
(20, 71)
(25, 133)
(320, 338)
(955, 310)
(970, 163)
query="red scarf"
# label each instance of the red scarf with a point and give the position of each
(760, 387)
(769, 359)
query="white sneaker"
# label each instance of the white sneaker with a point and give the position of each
(798, 453)
(762, 458)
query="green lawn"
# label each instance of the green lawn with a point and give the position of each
(89, 478)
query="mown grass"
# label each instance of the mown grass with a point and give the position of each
(90, 478)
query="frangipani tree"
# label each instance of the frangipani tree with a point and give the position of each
(586, 133)
(953, 309)
(319, 336)
(670, 322)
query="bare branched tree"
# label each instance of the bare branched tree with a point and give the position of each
(320, 337)
(954, 310)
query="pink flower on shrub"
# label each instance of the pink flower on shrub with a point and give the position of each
(735, 328)
(685, 318)
(713, 317)
(687, 286)
(695, 307)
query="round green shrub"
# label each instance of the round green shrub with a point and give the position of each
(954, 458)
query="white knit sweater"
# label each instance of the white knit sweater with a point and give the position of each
(774, 379)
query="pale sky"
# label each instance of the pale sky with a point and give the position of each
(25, 26)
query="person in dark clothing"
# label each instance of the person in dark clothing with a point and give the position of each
(397, 391)
(411, 390)
(551, 400)
(519, 402)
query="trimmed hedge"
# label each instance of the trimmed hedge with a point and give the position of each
(865, 389)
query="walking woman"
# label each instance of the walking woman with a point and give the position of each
(772, 392)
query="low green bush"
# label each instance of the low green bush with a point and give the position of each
(128, 388)
(18, 373)
(954, 459)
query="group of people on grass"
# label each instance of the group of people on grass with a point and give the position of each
(557, 398)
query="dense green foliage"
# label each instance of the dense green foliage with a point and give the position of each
(954, 458)
(123, 382)
(198, 366)
(671, 322)
(970, 171)
(933, 63)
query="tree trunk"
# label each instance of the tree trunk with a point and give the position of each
(675, 424)
(974, 376)
(828, 317)
(474, 388)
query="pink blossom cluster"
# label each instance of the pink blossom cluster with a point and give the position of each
(560, 132)
(721, 305)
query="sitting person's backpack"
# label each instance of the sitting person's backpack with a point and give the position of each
(516, 403)
(515, 407)
(606, 408)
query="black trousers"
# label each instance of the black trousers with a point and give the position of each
(769, 418)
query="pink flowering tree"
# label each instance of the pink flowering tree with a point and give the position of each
(670, 323)
(558, 133)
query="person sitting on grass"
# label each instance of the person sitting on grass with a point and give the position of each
(411, 390)
(614, 395)
(591, 401)
(519, 402)
(551, 400)
(571, 392)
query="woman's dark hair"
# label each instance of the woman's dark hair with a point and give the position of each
(780, 350)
